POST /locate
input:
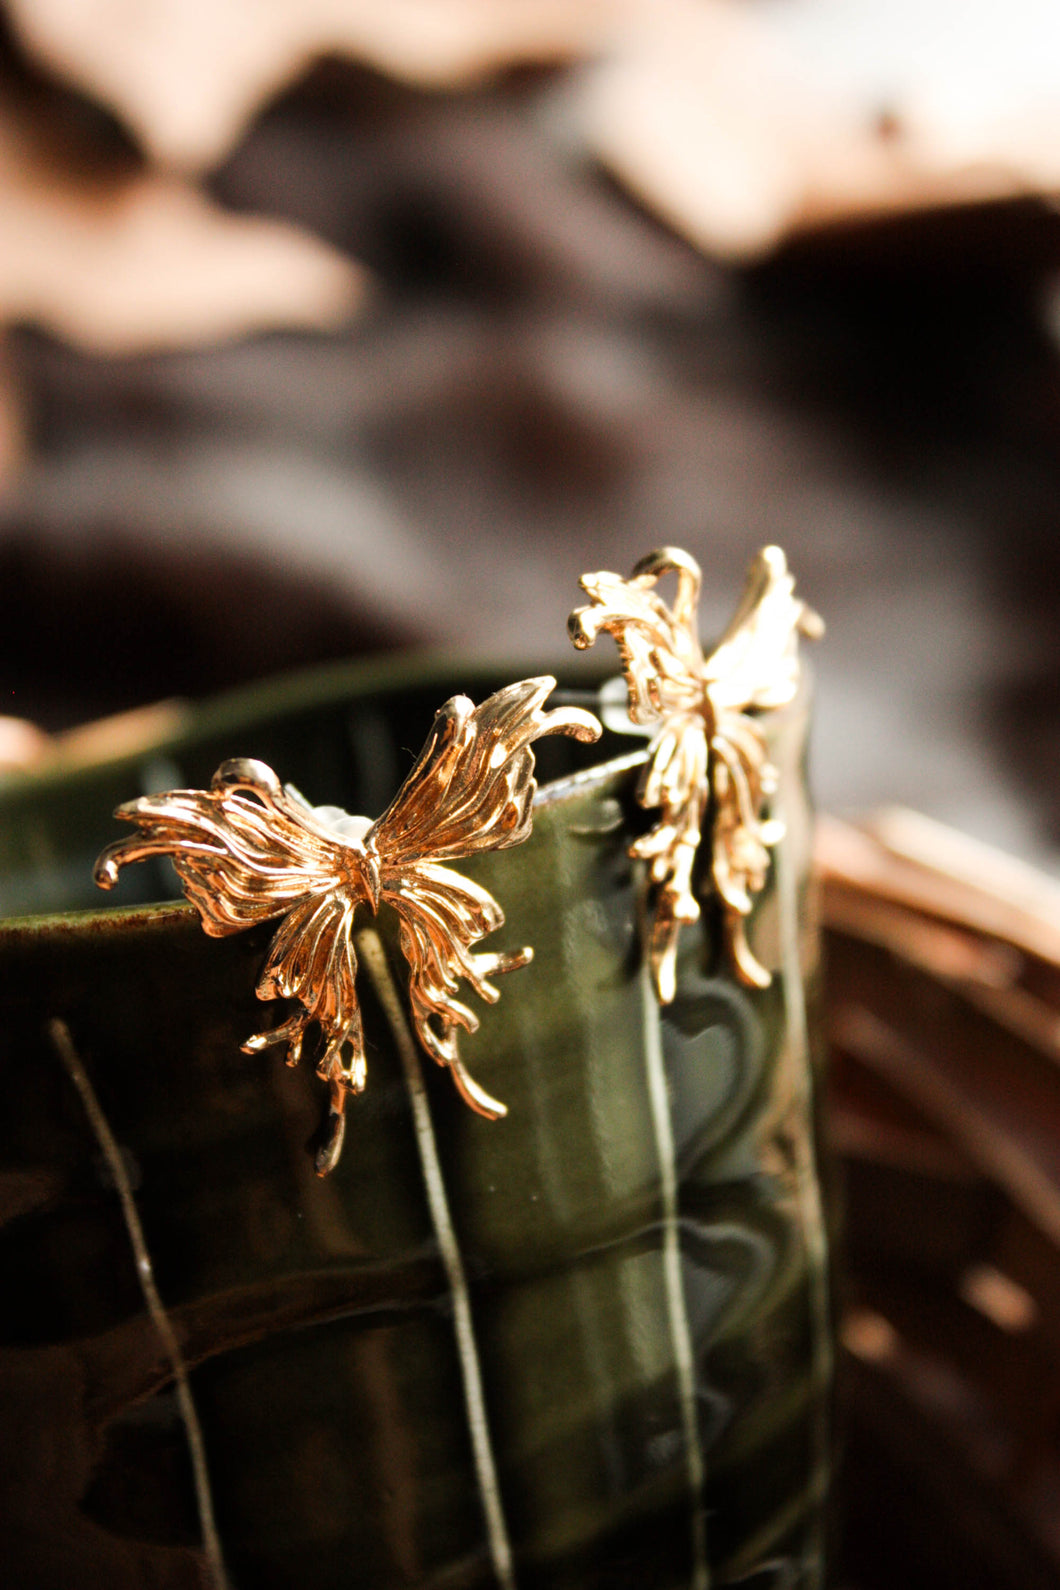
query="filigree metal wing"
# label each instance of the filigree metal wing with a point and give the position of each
(754, 668)
(245, 850)
(707, 750)
(659, 645)
(250, 850)
(755, 665)
(472, 786)
(472, 789)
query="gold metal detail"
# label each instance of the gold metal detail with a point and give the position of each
(251, 849)
(707, 750)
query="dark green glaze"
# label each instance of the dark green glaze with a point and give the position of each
(316, 1315)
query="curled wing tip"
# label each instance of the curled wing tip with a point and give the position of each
(246, 772)
(664, 559)
(774, 559)
(141, 810)
(107, 867)
(576, 722)
(751, 969)
(810, 623)
(260, 1041)
(456, 710)
(770, 568)
(473, 1094)
(585, 623)
(535, 692)
(330, 1150)
(581, 628)
(664, 970)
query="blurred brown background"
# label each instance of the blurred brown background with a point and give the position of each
(342, 327)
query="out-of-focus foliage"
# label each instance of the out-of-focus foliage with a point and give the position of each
(138, 261)
(187, 76)
(545, 378)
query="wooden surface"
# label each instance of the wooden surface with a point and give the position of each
(943, 1019)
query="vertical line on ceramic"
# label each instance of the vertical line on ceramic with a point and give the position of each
(680, 1332)
(811, 1209)
(63, 1044)
(374, 956)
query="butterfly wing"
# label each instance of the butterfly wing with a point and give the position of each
(662, 662)
(754, 667)
(442, 914)
(472, 786)
(674, 783)
(658, 644)
(706, 746)
(312, 959)
(471, 790)
(245, 850)
(249, 850)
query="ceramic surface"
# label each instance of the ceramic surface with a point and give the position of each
(641, 1237)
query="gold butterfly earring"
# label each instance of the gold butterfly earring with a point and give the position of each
(251, 849)
(708, 753)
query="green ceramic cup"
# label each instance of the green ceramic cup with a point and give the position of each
(587, 1345)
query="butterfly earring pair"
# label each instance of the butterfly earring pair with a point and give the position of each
(251, 849)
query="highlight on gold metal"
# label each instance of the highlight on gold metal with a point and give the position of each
(707, 750)
(250, 849)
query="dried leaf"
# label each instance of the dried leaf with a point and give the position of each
(909, 861)
(743, 123)
(188, 75)
(146, 262)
